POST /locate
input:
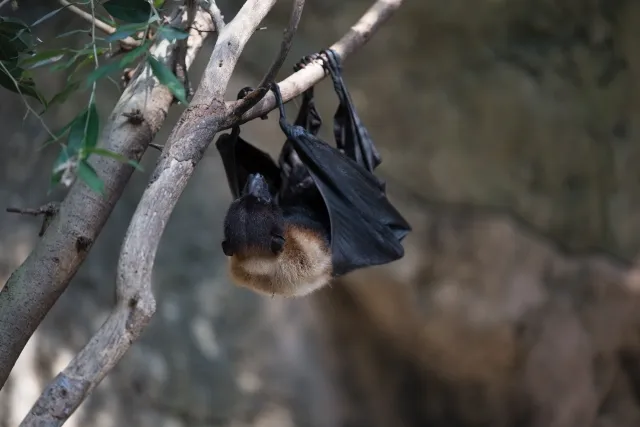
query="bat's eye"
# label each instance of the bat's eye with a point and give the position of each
(277, 243)
(226, 248)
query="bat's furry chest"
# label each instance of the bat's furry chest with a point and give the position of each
(302, 267)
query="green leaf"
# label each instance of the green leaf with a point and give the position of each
(47, 16)
(119, 157)
(58, 134)
(14, 38)
(125, 60)
(167, 78)
(172, 33)
(11, 47)
(25, 84)
(62, 158)
(84, 131)
(64, 94)
(88, 174)
(88, 61)
(63, 169)
(124, 31)
(76, 138)
(13, 27)
(128, 10)
(158, 3)
(42, 58)
(72, 33)
(63, 65)
(92, 127)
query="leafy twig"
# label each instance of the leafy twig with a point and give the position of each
(101, 25)
(35, 286)
(135, 301)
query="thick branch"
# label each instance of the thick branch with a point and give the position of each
(312, 73)
(253, 97)
(36, 285)
(135, 302)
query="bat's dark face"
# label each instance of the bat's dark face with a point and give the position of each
(254, 225)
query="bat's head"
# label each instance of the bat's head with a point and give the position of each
(254, 225)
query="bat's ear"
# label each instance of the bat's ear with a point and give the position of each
(226, 248)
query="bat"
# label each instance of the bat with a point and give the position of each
(319, 213)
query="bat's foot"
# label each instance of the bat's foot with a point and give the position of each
(244, 92)
(306, 60)
(331, 61)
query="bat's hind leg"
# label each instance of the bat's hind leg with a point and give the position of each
(350, 133)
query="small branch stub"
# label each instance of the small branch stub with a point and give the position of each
(49, 211)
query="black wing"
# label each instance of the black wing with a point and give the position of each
(240, 159)
(296, 181)
(351, 135)
(349, 132)
(358, 208)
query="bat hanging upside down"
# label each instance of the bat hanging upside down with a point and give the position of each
(320, 213)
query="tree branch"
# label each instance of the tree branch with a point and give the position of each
(216, 14)
(36, 285)
(312, 73)
(254, 96)
(135, 302)
(196, 128)
(101, 25)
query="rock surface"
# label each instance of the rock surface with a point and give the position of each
(507, 130)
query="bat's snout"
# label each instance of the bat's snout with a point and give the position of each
(257, 186)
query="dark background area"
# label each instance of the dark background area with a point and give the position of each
(509, 133)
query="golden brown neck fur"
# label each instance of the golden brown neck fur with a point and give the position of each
(303, 266)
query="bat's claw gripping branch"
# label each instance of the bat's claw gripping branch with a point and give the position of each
(246, 91)
(308, 59)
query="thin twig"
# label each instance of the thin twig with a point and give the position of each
(215, 14)
(254, 96)
(101, 25)
(49, 211)
(3, 2)
(50, 208)
(179, 64)
(24, 99)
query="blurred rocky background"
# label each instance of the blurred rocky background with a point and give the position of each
(510, 135)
